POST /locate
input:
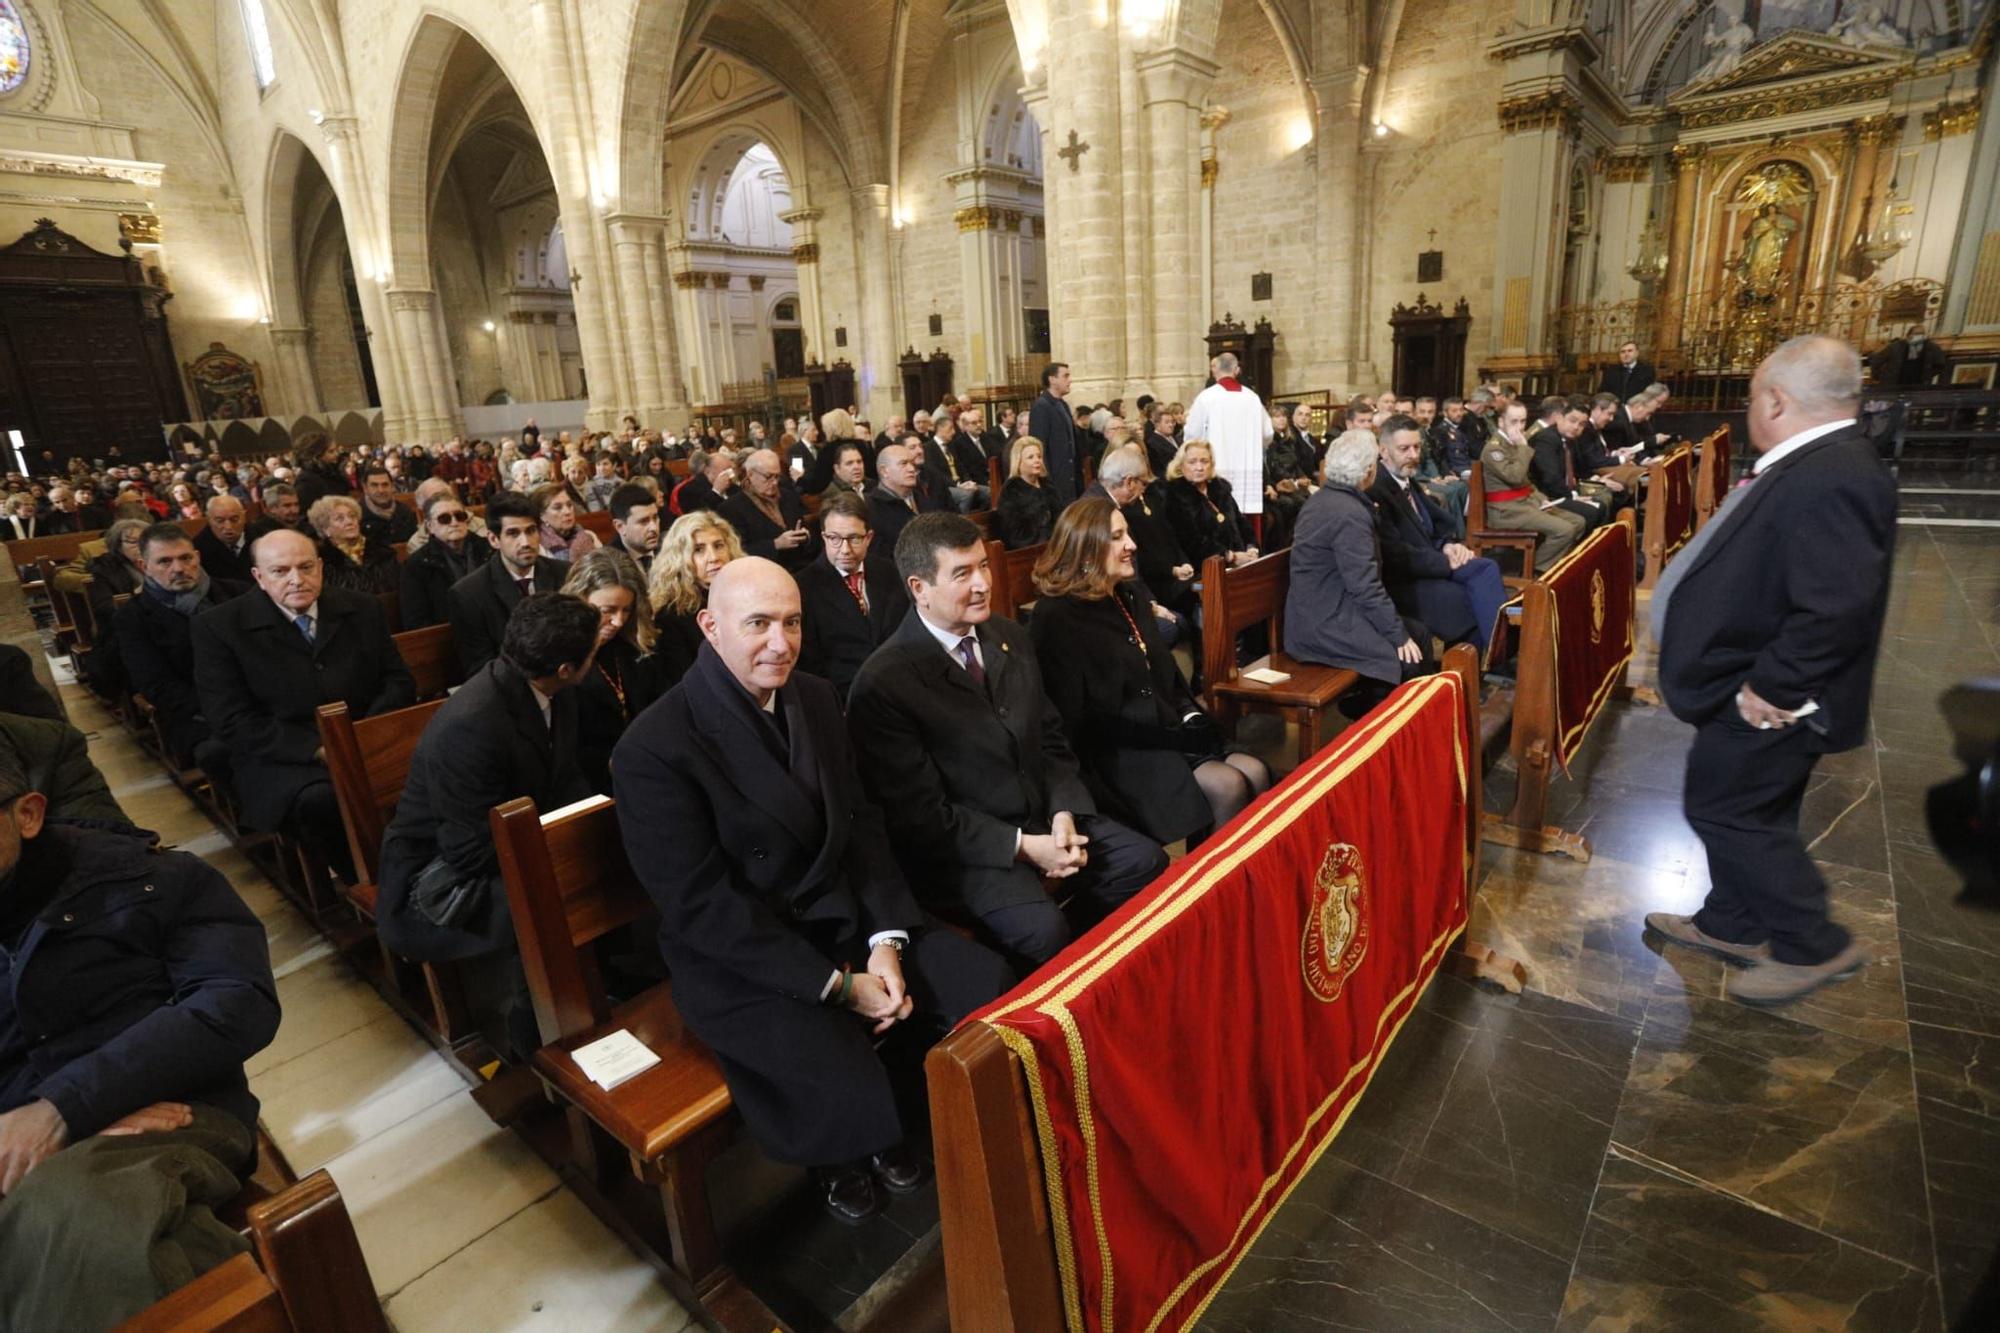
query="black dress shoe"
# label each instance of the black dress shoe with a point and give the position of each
(900, 1170)
(850, 1194)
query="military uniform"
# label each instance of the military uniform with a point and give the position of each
(1513, 502)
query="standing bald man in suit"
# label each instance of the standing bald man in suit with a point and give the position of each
(1768, 626)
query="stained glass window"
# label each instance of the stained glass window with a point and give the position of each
(258, 33)
(14, 52)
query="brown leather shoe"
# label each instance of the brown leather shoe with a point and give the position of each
(1771, 982)
(1683, 930)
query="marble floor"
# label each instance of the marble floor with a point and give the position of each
(462, 1225)
(1625, 1147)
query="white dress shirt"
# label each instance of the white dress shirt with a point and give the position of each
(1797, 442)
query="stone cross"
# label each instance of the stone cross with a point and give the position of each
(1075, 150)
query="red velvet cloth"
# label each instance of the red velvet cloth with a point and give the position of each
(1592, 598)
(1673, 491)
(1193, 1056)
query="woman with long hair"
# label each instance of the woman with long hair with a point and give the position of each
(1028, 503)
(352, 558)
(624, 677)
(1147, 748)
(692, 553)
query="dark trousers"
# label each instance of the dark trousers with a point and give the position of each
(1593, 516)
(808, 1078)
(1032, 929)
(104, 1228)
(1744, 790)
(315, 821)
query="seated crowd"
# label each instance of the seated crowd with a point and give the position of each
(862, 802)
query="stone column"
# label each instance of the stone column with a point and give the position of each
(397, 380)
(419, 324)
(1540, 131)
(876, 376)
(1036, 97)
(1343, 295)
(659, 295)
(631, 236)
(1680, 243)
(1087, 265)
(1972, 293)
(981, 265)
(804, 223)
(1173, 86)
(295, 369)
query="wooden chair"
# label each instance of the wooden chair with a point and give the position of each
(307, 1275)
(431, 657)
(1013, 582)
(1234, 600)
(983, 520)
(369, 762)
(1513, 549)
(569, 885)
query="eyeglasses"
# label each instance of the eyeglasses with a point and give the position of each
(837, 539)
(457, 516)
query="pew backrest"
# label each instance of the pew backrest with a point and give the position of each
(368, 760)
(1233, 600)
(1013, 577)
(432, 658)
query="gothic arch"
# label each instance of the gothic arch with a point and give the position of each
(285, 164)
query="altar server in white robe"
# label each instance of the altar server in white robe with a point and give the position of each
(1232, 418)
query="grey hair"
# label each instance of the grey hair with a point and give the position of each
(1227, 364)
(1121, 465)
(1100, 419)
(1481, 396)
(1349, 457)
(1818, 372)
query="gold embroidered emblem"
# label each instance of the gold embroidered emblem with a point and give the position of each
(1336, 934)
(1597, 605)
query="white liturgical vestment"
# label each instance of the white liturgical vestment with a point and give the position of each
(1233, 421)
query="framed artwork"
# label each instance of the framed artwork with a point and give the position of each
(1973, 374)
(226, 385)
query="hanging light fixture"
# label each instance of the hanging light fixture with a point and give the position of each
(1887, 234)
(1650, 263)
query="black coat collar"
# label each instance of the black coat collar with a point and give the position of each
(727, 726)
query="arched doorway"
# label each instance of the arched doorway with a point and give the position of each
(317, 325)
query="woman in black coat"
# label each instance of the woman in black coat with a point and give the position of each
(1203, 511)
(692, 553)
(1147, 749)
(117, 571)
(1028, 506)
(351, 559)
(451, 550)
(625, 675)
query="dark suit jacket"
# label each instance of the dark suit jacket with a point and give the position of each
(1591, 452)
(156, 644)
(1052, 422)
(1550, 469)
(759, 852)
(1123, 708)
(219, 560)
(838, 637)
(399, 526)
(1160, 451)
(1623, 382)
(426, 578)
(889, 515)
(486, 745)
(958, 770)
(483, 602)
(1415, 569)
(693, 495)
(760, 535)
(1146, 518)
(261, 683)
(21, 689)
(677, 642)
(1620, 432)
(1790, 593)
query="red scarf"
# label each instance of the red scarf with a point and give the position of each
(1229, 382)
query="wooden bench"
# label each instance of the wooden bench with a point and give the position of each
(1711, 475)
(368, 761)
(598, 521)
(569, 885)
(1670, 510)
(1234, 600)
(307, 1275)
(1012, 573)
(432, 658)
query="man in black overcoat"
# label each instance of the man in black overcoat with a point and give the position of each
(793, 939)
(1453, 590)
(851, 596)
(156, 641)
(1051, 421)
(483, 600)
(1768, 626)
(966, 757)
(264, 663)
(1628, 375)
(223, 543)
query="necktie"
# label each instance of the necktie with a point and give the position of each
(1423, 517)
(527, 586)
(969, 655)
(305, 624)
(854, 586)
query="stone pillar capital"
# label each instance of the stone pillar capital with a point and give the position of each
(340, 128)
(1174, 75)
(410, 298)
(291, 335)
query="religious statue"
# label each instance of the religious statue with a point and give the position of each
(1766, 241)
(1728, 40)
(1868, 26)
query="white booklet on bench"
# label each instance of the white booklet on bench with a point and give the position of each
(612, 1060)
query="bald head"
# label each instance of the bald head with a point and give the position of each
(752, 622)
(285, 564)
(1810, 381)
(225, 517)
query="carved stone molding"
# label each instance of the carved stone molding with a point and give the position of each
(1768, 106)
(977, 218)
(1553, 109)
(140, 228)
(1210, 168)
(689, 279)
(1952, 118)
(1687, 156)
(143, 174)
(806, 253)
(1885, 128)
(1627, 168)
(757, 281)
(1215, 118)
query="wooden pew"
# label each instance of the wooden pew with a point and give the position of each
(599, 523)
(431, 657)
(1013, 578)
(999, 1238)
(1540, 670)
(1711, 475)
(996, 478)
(369, 761)
(63, 547)
(306, 1275)
(1670, 510)
(1234, 600)
(569, 885)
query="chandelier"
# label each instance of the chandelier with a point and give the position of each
(1887, 236)
(1650, 263)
